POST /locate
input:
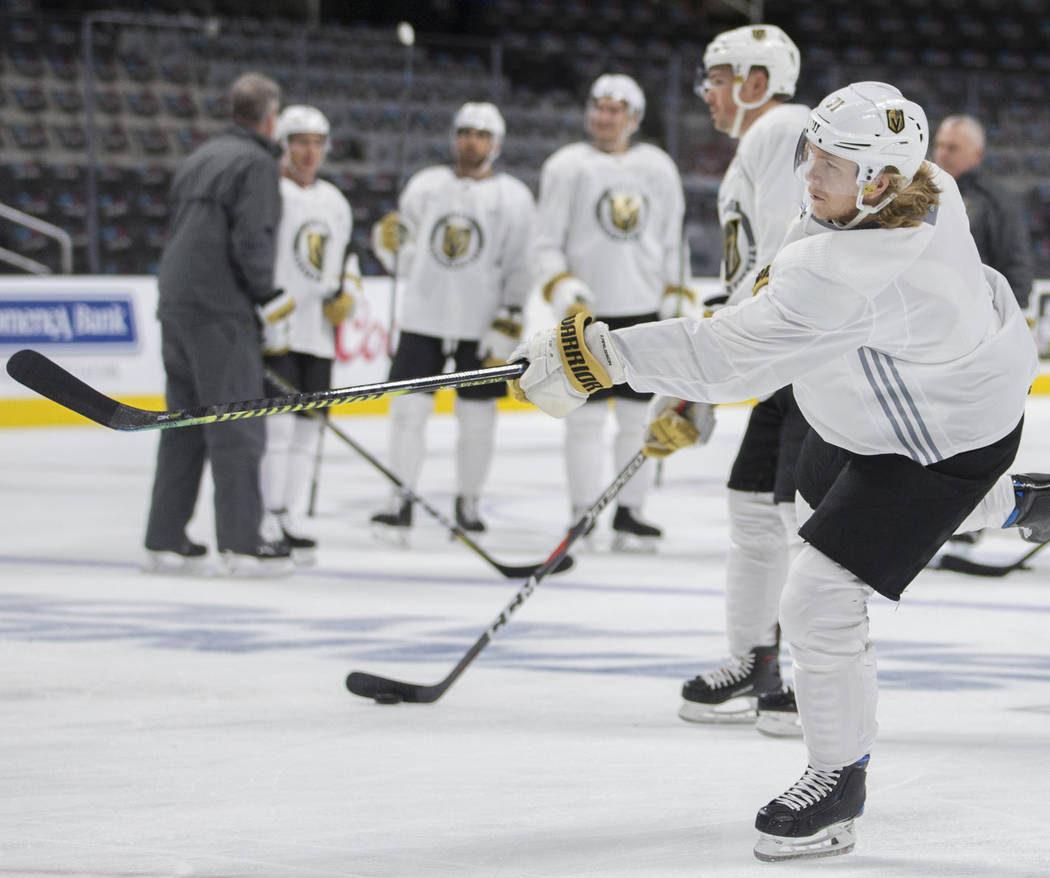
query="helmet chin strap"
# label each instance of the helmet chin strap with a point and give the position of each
(743, 106)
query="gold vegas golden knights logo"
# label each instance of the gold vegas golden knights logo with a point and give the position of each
(311, 243)
(761, 281)
(456, 240)
(895, 120)
(759, 33)
(622, 213)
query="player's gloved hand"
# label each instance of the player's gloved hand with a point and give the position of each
(339, 306)
(677, 302)
(388, 235)
(676, 424)
(568, 295)
(567, 363)
(501, 338)
(275, 320)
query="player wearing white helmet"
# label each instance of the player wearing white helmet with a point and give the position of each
(910, 360)
(314, 266)
(609, 239)
(746, 77)
(460, 242)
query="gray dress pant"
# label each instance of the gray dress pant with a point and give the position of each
(207, 362)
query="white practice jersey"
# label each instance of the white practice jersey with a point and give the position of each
(759, 196)
(614, 220)
(311, 243)
(467, 252)
(896, 340)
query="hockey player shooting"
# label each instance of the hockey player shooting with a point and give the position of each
(460, 239)
(746, 77)
(609, 239)
(911, 362)
(312, 240)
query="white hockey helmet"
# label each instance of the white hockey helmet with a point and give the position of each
(300, 119)
(620, 87)
(481, 116)
(756, 45)
(872, 125)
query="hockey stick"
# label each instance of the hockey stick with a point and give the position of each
(509, 570)
(47, 378)
(975, 568)
(386, 691)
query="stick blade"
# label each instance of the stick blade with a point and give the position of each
(379, 688)
(957, 564)
(47, 378)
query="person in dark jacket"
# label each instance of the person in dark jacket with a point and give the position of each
(216, 290)
(997, 220)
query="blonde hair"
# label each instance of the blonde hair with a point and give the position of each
(913, 200)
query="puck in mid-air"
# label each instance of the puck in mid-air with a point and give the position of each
(386, 698)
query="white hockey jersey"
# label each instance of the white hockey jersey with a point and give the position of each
(896, 340)
(614, 220)
(759, 196)
(466, 253)
(311, 243)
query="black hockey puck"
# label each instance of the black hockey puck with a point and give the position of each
(387, 698)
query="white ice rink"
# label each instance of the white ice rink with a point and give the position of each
(156, 727)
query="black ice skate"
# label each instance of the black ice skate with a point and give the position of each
(631, 534)
(728, 695)
(267, 558)
(394, 524)
(186, 558)
(304, 548)
(814, 818)
(467, 514)
(778, 714)
(1032, 513)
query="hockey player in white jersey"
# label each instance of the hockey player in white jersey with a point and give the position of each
(312, 264)
(609, 238)
(746, 77)
(461, 239)
(910, 360)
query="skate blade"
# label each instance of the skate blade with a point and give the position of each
(779, 724)
(735, 711)
(832, 841)
(392, 536)
(304, 557)
(632, 544)
(245, 567)
(174, 564)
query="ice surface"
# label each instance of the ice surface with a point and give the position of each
(199, 726)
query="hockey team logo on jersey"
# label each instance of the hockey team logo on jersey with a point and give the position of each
(895, 120)
(761, 281)
(456, 240)
(758, 33)
(311, 242)
(623, 213)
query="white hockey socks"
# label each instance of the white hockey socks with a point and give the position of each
(824, 618)
(474, 444)
(408, 418)
(632, 421)
(756, 570)
(584, 453)
(275, 463)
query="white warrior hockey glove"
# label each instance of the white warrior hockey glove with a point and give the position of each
(340, 305)
(678, 302)
(677, 424)
(275, 318)
(501, 338)
(568, 295)
(388, 235)
(567, 363)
